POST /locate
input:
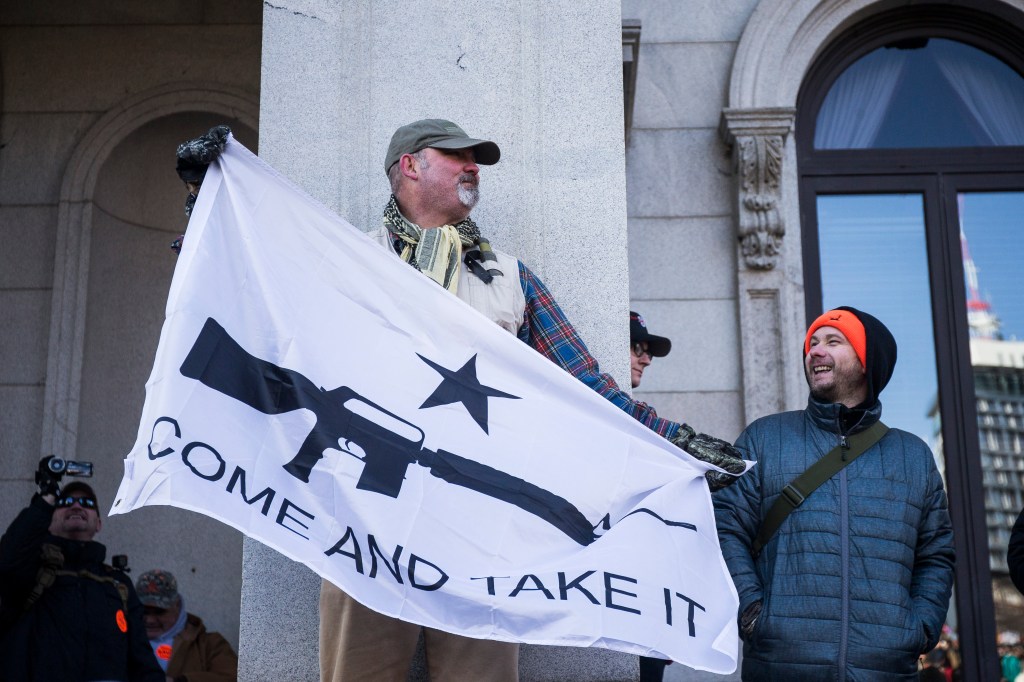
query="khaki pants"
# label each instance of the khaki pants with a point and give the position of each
(357, 643)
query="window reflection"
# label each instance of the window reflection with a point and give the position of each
(990, 225)
(873, 257)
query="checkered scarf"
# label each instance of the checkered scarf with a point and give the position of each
(436, 252)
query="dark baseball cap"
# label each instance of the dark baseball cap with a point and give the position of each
(658, 346)
(80, 489)
(439, 134)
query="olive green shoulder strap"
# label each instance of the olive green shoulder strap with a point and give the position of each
(794, 494)
(51, 566)
(51, 559)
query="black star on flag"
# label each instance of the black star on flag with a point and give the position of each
(462, 386)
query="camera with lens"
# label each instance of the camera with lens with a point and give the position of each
(52, 469)
(66, 467)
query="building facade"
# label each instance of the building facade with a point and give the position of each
(780, 158)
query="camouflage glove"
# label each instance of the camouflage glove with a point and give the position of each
(194, 157)
(46, 479)
(713, 451)
(749, 618)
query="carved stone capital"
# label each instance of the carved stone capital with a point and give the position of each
(757, 138)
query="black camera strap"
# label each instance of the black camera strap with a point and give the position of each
(801, 487)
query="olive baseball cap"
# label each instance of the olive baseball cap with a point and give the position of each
(439, 134)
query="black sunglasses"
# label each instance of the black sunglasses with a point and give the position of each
(640, 350)
(84, 502)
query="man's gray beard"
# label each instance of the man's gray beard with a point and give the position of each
(468, 196)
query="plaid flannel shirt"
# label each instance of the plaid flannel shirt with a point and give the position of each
(546, 330)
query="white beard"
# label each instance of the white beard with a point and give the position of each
(468, 196)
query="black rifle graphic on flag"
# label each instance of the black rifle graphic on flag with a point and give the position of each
(219, 362)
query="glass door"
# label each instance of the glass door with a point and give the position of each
(910, 132)
(940, 266)
(874, 257)
(992, 248)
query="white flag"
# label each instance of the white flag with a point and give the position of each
(321, 396)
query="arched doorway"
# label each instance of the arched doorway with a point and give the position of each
(121, 205)
(910, 146)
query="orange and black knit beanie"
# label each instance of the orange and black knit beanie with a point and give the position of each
(871, 340)
(846, 322)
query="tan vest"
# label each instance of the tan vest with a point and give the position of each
(501, 301)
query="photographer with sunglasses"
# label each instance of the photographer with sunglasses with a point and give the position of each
(64, 613)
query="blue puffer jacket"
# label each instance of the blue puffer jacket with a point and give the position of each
(856, 582)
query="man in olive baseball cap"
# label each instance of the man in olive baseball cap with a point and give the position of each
(437, 133)
(433, 168)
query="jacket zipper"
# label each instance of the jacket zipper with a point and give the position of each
(844, 554)
(844, 544)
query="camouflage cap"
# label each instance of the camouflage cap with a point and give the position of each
(157, 588)
(439, 134)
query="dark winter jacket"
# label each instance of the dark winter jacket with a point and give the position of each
(856, 582)
(80, 628)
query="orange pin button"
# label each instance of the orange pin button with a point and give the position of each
(122, 623)
(163, 652)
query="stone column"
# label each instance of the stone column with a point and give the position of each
(762, 161)
(542, 79)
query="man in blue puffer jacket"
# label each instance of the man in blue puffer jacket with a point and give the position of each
(855, 583)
